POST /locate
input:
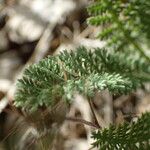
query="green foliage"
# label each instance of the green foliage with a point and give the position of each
(125, 25)
(134, 136)
(59, 77)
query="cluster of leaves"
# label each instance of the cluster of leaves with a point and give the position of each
(134, 136)
(125, 24)
(59, 77)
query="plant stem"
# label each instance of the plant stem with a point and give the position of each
(79, 120)
(93, 113)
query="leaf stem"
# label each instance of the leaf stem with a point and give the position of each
(93, 113)
(79, 120)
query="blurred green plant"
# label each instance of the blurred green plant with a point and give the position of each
(125, 25)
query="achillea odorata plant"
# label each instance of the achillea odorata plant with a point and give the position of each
(134, 136)
(125, 24)
(123, 66)
(59, 77)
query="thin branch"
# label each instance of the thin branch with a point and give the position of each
(93, 113)
(79, 120)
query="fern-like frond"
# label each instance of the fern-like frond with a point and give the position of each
(124, 24)
(134, 136)
(116, 83)
(84, 71)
